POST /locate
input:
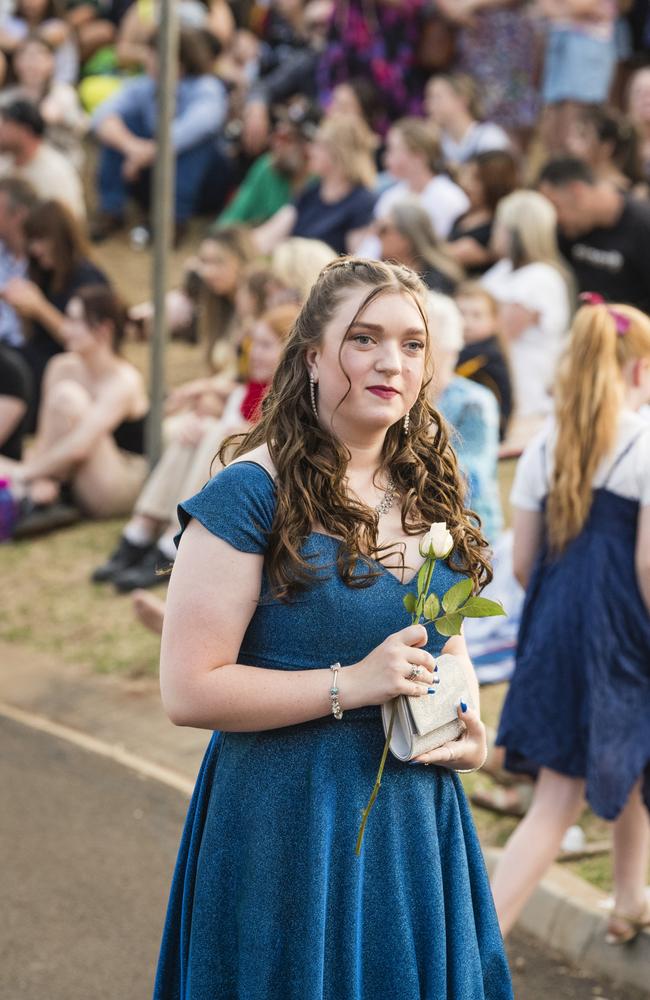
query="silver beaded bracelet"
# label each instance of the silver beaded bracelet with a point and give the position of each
(337, 711)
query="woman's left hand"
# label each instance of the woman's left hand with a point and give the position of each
(24, 296)
(468, 752)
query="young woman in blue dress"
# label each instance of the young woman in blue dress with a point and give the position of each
(295, 557)
(576, 711)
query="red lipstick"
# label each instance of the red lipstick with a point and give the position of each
(383, 391)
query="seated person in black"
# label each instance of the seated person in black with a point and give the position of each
(604, 234)
(484, 356)
(486, 178)
(90, 428)
(58, 266)
(15, 394)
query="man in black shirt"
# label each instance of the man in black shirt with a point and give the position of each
(603, 234)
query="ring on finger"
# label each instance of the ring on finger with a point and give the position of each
(415, 672)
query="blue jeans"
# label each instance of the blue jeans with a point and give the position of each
(192, 169)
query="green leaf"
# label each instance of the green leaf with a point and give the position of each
(457, 594)
(449, 624)
(423, 575)
(410, 602)
(431, 607)
(481, 607)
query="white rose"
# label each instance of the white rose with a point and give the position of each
(437, 543)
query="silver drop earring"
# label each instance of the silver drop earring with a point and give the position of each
(312, 395)
(407, 421)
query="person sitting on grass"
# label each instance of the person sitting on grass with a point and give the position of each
(58, 265)
(26, 154)
(485, 179)
(337, 205)
(203, 309)
(90, 439)
(278, 176)
(58, 103)
(125, 126)
(147, 542)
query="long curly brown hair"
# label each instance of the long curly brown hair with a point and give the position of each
(311, 461)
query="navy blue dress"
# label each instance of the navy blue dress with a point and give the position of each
(578, 700)
(269, 901)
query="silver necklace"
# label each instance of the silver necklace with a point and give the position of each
(388, 499)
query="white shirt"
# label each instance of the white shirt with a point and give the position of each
(52, 175)
(481, 137)
(443, 200)
(630, 478)
(541, 289)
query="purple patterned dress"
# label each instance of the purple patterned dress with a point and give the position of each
(376, 41)
(501, 52)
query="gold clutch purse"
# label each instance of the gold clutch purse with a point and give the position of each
(425, 723)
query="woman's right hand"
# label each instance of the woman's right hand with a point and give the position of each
(384, 673)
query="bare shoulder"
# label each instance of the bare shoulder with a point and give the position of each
(64, 365)
(130, 375)
(127, 383)
(260, 456)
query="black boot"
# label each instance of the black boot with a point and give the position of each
(149, 572)
(104, 225)
(124, 557)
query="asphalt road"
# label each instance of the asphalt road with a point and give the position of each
(88, 849)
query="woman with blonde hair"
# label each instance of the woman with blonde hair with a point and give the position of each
(295, 557)
(339, 202)
(296, 263)
(533, 287)
(576, 710)
(407, 237)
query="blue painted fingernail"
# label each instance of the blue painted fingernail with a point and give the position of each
(431, 690)
(435, 669)
(414, 762)
(463, 706)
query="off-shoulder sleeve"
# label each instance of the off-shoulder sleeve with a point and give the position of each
(237, 505)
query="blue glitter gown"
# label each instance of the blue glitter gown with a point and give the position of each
(268, 900)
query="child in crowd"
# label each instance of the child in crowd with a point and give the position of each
(484, 356)
(575, 711)
(472, 412)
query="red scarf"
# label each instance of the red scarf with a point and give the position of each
(252, 401)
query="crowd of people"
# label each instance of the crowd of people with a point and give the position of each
(501, 153)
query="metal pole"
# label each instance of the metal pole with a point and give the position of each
(163, 216)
